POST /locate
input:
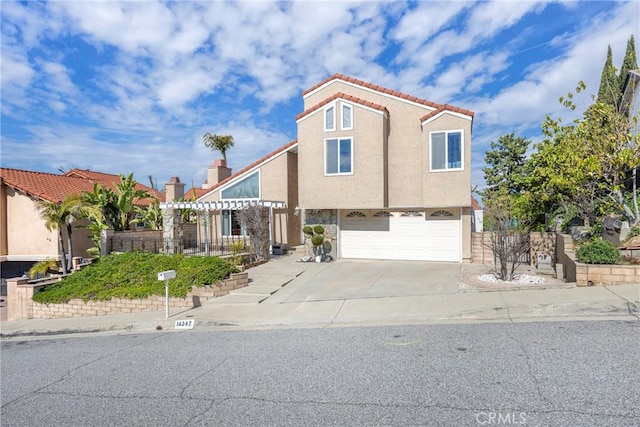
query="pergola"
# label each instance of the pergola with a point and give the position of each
(214, 206)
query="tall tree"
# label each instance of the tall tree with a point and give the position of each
(629, 63)
(582, 164)
(609, 91)
(505, 164)
(219, 143)
(59, 216)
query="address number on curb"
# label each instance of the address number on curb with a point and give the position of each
(185, 324)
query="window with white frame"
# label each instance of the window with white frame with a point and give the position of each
(231, 225)
(330, 118)
(446, 150)
(247, 188)
(347, 117)
(338, 155)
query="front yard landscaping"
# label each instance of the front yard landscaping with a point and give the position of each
(134, 275)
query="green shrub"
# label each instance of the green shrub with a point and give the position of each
(318, 229)
(308, 230)
(598, 252)
(317, 240)
(135, 275)
(42, 268)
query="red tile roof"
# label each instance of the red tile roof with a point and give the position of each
(110, 180)
(475, 205)
(446, 107)
(438, 107)
(55, 188)
(346, 97)
(251, 166)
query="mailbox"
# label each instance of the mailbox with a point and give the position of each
(166, 275)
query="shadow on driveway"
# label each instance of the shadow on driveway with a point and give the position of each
(352, 279)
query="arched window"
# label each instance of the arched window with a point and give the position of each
(355, 214)
(382, 214)
(411, 213)
(441, 213)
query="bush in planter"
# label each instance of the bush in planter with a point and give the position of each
(317, 240)
(318, 229)
(598, 252)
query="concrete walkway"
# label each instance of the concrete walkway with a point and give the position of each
(286, 293)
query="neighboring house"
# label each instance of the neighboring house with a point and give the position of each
(24, 238)
(477, 220)
(386, 173)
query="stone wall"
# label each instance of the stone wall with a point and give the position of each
(481, 252)
(592, 274)
(25, 308)
(328, 218)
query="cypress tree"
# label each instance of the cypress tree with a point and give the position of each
(630, 63)
(609, 91)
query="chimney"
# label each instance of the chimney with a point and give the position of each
(173, 190)
(217, 172)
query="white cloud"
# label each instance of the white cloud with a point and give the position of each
(528, 100)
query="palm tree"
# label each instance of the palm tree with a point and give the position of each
(125, 197)
(58, 216)
(219, 143)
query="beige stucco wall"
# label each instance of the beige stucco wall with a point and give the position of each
(405, 175)
(3, 219)
(447, 188)
(365, 187)
(466, 234)
(27, 237)
(278, 182)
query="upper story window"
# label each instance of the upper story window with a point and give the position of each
(446, 150)
(330, 118)
(347, 117)
(338, 156)
(248, 188)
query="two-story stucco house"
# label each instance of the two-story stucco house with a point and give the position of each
(388, 174)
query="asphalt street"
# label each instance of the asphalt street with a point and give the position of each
(534, 374)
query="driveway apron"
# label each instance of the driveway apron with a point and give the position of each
(353, 279)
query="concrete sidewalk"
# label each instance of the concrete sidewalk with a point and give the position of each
(266, 303)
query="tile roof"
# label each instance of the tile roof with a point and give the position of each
(346, 97)
(251, 166)
(439, 107)
(446, 107)
(55, 188)
(373, 87)
(475, 205)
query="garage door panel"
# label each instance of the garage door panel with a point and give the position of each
(401, 238)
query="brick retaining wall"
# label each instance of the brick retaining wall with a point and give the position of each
(592, 274)
(79, 308)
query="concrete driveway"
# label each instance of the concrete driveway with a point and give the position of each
(353, 279)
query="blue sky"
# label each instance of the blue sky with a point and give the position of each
(133, 86)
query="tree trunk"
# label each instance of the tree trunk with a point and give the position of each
(70, 246)
(633, 219)
(63, 258)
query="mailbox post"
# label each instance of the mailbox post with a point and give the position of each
(166, 275)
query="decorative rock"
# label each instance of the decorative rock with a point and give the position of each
(306, 258)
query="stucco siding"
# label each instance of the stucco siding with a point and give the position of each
(278, 182)
(466, 234)
(27, 236)
(365, 186)
(446, 188)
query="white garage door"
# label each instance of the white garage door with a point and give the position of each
(432, 235)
